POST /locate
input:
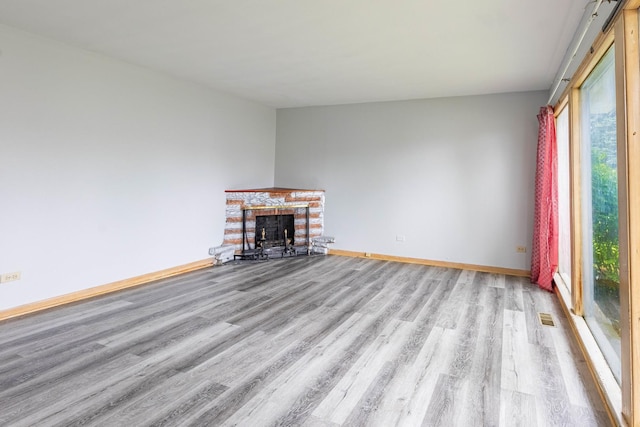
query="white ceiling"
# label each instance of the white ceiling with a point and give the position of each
(291, 53)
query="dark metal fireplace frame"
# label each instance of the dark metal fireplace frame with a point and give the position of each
(256, 253)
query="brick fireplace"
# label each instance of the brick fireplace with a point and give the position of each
(244, 206)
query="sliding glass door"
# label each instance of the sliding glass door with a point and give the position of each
(601, 271)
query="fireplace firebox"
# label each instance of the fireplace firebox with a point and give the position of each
(274, 231)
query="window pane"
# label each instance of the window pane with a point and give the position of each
(564, 197)
(600, 210)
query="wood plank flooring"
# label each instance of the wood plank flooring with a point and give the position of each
(313, 341)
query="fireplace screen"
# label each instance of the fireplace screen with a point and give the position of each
(274, 231)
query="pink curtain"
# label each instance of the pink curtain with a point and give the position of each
(544, 248)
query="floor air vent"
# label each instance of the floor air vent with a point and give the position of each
(546, 319)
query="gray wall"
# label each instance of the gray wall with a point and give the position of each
(455, 176)
(110, 171)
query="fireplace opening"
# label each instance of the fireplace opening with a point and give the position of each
(274, 231)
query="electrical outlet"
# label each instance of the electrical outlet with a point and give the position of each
(400, 238)
(521, 249)
(10, 277)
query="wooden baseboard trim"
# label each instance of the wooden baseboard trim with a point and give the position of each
(461, 266)
(102, 289)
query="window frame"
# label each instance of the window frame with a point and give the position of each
(623, 400)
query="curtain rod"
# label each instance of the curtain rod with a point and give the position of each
(594, 14)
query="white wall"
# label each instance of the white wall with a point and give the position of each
(453, 175)
(108, 170)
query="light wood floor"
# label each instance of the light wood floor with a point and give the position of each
(320, 341)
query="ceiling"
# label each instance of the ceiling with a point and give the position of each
(292, 53)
